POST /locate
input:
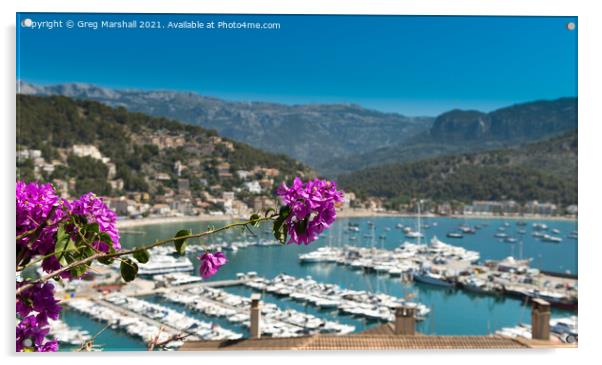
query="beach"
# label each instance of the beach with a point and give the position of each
(343, 213)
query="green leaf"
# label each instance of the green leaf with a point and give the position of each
(79, 270)
(107, 260)
(142, 256)
(284, 212)
(81, 253)
(64, 246)
(61, 234)
(86, 252)
(93, 227)
(181, 243)
(80, 220)
(254, 220)
(301, 227)
(284, 235)
(280, 230)
(129, 270)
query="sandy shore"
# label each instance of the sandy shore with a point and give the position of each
(127, 223)
(347, 213)
(364, 213)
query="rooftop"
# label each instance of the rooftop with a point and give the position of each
(377, 338)
(358, 342)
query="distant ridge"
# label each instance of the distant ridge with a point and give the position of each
(463, 131)
(312, 133)
(339, 138)
(544, 171)
(525, 121)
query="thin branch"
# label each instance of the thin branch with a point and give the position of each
(196, 235)
(87, 345)
(27, 233)
(59, 271)
(175, 337)
(250, 231)
(41, 258)
(151, 343)
(138, 249)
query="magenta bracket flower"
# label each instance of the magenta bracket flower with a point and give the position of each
(211, 263)
(61, 232)
(308, 210)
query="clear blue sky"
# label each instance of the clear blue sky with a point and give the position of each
(411, 65)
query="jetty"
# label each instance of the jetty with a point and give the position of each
(373, 306)
(235, 309)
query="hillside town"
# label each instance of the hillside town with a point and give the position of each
(253, 194)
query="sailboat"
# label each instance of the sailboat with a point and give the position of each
(415, 234)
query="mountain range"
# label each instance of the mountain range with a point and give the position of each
(336, 139)
(312, 133)
(463, 131)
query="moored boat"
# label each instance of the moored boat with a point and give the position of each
(455, 235)
(431, 278)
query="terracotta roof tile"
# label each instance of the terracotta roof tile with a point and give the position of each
(383, 329)
(358, 342)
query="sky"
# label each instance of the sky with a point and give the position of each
(412, 65)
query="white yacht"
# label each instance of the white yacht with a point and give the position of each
(176, 278)
(476, 285)
(158, 264)
(550, 238)
(429, 277)
(413, 234)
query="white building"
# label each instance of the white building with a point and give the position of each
(83, 150)
(253, 187)
(243, 174)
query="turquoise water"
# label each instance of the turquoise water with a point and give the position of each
(453, 312)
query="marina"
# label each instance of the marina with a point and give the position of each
(444, 265)
(384, 271)
(148, 321)
(67, 335)
(275, 322)
(328, 296)
(565, 329)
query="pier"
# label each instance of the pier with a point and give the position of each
(126, 312)
(150, 321)
(373, 306)
(162, 290)
(275, 321)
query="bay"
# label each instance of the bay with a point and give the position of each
(453, 312)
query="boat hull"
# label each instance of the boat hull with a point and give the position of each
(433, 281)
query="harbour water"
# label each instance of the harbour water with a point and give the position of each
(453, 311)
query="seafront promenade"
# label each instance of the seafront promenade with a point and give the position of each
(341, 213)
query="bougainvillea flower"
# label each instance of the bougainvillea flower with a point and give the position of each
(312, 208)
(211, 262)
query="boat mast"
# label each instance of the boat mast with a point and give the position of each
(418, 230)
(373, 237)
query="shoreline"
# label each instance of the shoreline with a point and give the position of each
(355, 213)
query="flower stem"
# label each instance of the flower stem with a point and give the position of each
(131, 251)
